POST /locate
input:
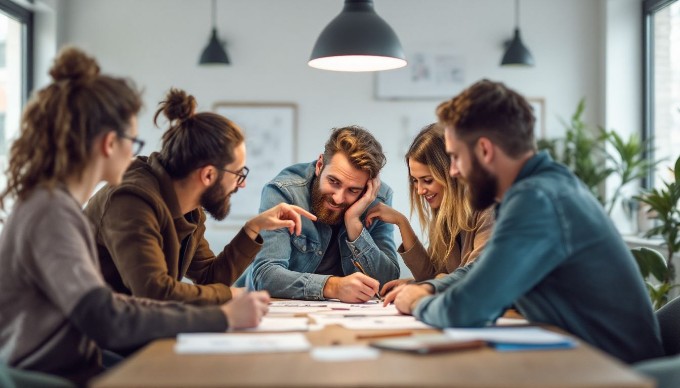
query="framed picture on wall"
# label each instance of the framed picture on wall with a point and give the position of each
(538, 104)
(271, 137)
(432, 73)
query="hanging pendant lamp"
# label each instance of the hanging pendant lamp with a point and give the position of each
(357, 40)
(214, 53)
(517, 54)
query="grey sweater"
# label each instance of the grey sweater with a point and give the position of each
(55, 309)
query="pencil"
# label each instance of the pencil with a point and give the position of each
(383, 335)
(361, 269)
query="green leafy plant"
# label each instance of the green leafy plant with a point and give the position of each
(586, 152)
(582, 150)
(652, 264)
(629, 161)
(663, 207)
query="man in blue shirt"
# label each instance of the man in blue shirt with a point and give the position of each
(327, 259)
(554, 253)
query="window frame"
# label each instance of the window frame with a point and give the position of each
(649, 8)
(24, 16)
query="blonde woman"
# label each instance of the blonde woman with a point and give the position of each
(456, 233)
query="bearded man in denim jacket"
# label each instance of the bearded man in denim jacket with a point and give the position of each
(327, 259)
(553, 252)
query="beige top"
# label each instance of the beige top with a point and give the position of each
(418, 260)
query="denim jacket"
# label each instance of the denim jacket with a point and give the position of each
(286, 263)
(557, 256)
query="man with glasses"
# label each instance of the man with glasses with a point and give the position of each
(150, 228)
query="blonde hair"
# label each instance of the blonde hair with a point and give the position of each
(455, 213)
(61, 122)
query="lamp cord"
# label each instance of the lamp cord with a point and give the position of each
(214, 13)
(516, 13)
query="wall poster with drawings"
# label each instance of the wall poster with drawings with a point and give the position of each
(271, 138)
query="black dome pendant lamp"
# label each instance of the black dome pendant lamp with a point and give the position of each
(357, 40)
(517, 54)
(214, 53)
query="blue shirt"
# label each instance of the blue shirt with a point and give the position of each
(557, 256)
(286, 263)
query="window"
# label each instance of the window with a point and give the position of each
(15, 69)
(662, 84)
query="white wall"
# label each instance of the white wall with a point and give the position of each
(623, 85)
(158, 42)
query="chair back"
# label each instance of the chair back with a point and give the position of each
(669, 323)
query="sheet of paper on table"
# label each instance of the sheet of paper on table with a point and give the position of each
(270, 323)
(204, 343)
(371, 322)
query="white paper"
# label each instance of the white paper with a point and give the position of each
(510, 335)
(382, 323)
(281, 324)
(344, 353)
(355, 311)
(205, 343)
(511, 321)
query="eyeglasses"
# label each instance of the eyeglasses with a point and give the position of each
(136, 143)
(242, 175)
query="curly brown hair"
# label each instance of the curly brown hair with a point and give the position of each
(61, 122)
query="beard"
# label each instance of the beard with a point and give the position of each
(319, 209)
(216, 201)
(482, 186)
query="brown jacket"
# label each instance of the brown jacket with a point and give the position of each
(418, 260)
(146, 245)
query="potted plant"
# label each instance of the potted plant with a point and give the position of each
(582, 151)
(663, 207)
(652, 264)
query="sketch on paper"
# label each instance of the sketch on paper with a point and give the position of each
(270, 131)
(436, 73)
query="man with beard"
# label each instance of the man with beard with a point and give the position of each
(327, 259)
(554, 253)
(150, 229)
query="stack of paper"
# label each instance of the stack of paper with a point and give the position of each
(515, 338)
(198, 343)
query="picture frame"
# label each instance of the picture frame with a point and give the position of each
(432, 73)
(270, 130)
(538, 105)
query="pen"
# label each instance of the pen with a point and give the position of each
(361, 269)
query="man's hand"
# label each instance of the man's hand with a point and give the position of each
(393, 284)
(354, 288)
(280, 216)
(352, 214)
(246, 310)
(406, 297)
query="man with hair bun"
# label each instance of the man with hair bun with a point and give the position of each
(336, 256)
(150, 229)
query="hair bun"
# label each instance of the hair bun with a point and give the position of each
(178, 105)
(73, 64)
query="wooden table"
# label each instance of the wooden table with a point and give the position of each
(157, 365)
